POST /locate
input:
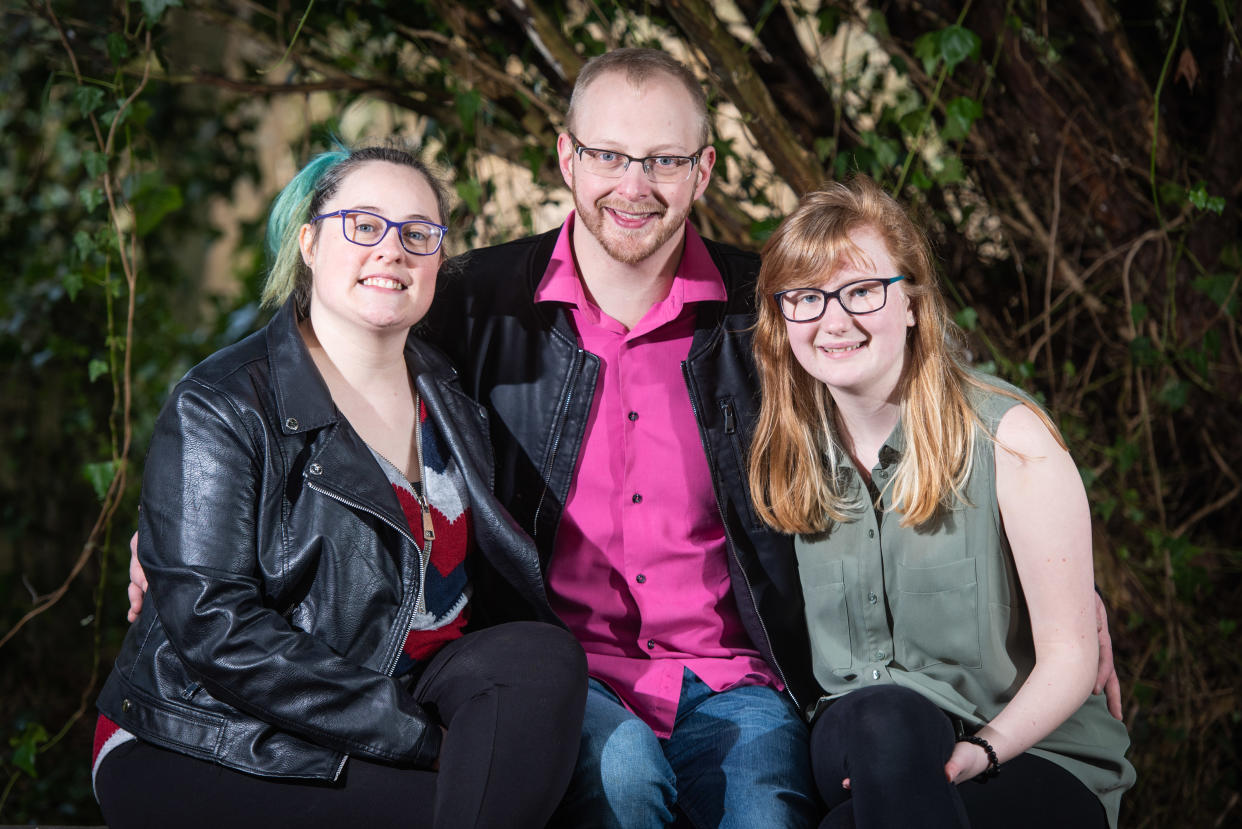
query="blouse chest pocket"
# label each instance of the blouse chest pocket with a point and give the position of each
(936, 615)
(823, 585)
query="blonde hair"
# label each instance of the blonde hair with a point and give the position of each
(796, 450)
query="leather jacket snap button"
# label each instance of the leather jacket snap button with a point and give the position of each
(315, 469)
(126, 705)
(291, 424)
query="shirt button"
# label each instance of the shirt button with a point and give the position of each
(870, 533)
(875, 674)
(872, 598)
(633, 415)
(879, 654)
(640, 578)
(637, 499)
(650, 644)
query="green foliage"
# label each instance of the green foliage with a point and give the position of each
(99, 476)
(154, 9)
(967, 318)
(960, 113)
(1221, 288)
(1199, 197)
(25, 747)
(951, 45)
(1120, 314)
(63, 319)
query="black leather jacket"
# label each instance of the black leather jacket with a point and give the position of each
(522, 360)
(282, 572)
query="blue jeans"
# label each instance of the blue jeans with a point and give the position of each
(737, 759)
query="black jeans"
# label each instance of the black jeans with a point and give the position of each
(510, 697)
(892, 743)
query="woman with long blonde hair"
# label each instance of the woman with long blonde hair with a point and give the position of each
(943, 541)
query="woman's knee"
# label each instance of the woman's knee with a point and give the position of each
(887, 728)
(548, 658)
(881, 714)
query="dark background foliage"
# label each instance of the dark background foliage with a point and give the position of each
(1075, 163)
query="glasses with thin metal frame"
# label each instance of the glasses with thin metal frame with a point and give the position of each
(418, 236)
(658, 168)
(865, 296)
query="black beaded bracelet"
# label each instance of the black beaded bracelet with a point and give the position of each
(993, 768)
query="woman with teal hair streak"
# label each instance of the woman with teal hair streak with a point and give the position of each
(320, 542)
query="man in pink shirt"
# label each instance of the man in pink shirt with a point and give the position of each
(614, 357)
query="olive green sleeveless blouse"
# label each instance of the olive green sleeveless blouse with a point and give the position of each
(938, 609)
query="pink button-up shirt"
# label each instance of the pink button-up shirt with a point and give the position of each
(639, 570)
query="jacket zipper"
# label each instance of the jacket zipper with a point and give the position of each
(420, 494)
(405, 617)
(576, 370)
(750, 591)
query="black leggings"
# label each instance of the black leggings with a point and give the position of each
(893, 743)
(511, 698)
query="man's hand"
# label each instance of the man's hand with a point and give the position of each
(138, 582)
(1106, 676)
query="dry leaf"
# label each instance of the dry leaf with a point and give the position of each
(1187, 69)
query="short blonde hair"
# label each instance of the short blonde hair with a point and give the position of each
(640, 66)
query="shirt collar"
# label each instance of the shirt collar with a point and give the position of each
(697, 279)
(889, 456)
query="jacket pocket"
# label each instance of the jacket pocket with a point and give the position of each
(823, 585)
(171, 725)
(936, 615)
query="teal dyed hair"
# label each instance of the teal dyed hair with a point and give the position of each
(289, 274)
(304, 197)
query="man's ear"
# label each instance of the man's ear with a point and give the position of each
(565, 157)
(703, 171)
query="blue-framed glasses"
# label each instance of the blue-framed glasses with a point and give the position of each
(419, 237)
(866, 296)
(658, 168)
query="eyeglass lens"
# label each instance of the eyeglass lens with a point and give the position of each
(421, 238)
(610, 164)
(862, 297)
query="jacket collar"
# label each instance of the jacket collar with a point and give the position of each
(302, 398)
(303, 401)
(341, 461)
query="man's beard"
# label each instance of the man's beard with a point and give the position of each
(631, 247)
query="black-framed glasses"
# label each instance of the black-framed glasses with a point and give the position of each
(418, 236)
(865, 296)
(658, 168)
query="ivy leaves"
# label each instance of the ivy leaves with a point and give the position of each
(952, 45)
